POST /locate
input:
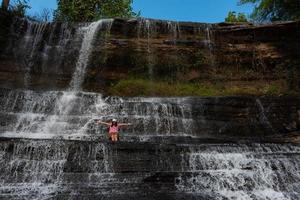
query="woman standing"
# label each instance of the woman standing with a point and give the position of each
(113, 129)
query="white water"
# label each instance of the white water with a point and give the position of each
(30, 44)
(174, 29)
(56, 51)
(69, 114)
(65, 103)
(85, 51)
(145, 29)
(36, 170)
(243, 172)
(37, 123)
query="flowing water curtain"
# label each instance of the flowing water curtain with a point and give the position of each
(146, 29)
(175, 30)
(69, 99)
(58, 121)
(39, 168)
(57, 48)
(205, 55)
(257, 171)
(27, 50)
(85, 51)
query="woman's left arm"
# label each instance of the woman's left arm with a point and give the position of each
(128, 124)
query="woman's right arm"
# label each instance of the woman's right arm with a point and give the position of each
(100, 122)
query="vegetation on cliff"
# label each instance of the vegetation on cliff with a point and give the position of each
(142, 87)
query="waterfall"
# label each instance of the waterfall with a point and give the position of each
(177, 148)
(145, 29)
(44, 169)
(85, 51)
(32, 123)
(174, 29)
(256, 171)
(30, 44)
(70, 115)
(67, 100)
(57, 50)
(210, 45)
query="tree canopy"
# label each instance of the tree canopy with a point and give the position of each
(90, 10)
(236, 17)
(274, 10)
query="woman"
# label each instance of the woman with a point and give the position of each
(113, 129)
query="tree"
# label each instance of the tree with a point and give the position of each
(274, 10)
(19, 7)
(241, 17)
(233, 17)
(5, 4)
(43, 16)
(90, 10)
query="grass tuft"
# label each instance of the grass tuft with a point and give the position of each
(143, 87)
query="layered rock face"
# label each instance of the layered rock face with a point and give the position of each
(49, 169)
(71, 114)
(177, 148)
(221, 54)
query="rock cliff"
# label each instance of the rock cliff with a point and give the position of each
(223, 55)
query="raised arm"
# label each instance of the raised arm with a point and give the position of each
(104, 123)
(128, 124)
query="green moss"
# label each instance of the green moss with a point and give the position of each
(272, 90)
(143, 87)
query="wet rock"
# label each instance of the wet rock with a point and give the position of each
(171, 49)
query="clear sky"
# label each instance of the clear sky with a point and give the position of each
(179, 10)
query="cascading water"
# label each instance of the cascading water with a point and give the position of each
(174, 29)
(63, 114)
(145, 29)
(66, 102)
(50, 147)
(85, 51)
(58, 122)
(65, 36)
(253, 171)
(30, 43)
(209, 44)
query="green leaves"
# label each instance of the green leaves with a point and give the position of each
(274, 10)
(91, 10)
(233, 17)
(19, 7)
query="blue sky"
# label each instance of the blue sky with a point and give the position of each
(179, 10)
